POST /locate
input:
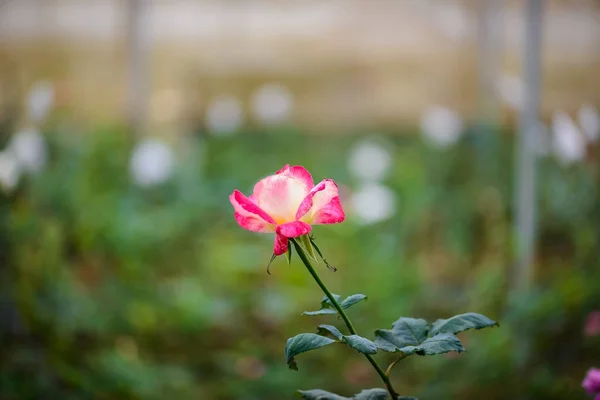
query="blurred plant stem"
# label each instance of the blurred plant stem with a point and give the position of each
(305, 259)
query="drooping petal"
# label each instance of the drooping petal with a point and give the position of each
(293, 229)
(322, 205)
(250, 216)
(300, 173)
(281, 245)
(280, 195)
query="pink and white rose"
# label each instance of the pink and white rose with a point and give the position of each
(288, 204)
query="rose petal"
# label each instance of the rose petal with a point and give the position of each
(280, 195)
(300, 173)
(322, 205)
(250, 216)
(293, 229)
(281, 245)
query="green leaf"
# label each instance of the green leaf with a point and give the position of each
(462, 322)
(410, 330)
(327, 303)
(327, 306)
(307, 247)
(372, 394)
(302, 343)
(322, 311)
(439, 344)
(409, 336)
(358, 343)
(361, 344)
(369, 394)
(288, 255)
(324, 329)
(404, 332)
(386, 341)
(353, 299)
(378, 394)
(318, 394)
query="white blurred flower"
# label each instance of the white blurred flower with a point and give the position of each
(272, 103)
(151, 162)
(40, 101)
(29, 148)
(568, 141)
(441, 126)
(510, 90)
(589, 120)
(9, 171)
(369, 160)
(224, 115)
(373, 203)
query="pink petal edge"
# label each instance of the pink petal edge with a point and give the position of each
(281, 245)
(293, 229)
(322, 205)
(249, 216)
(300, 173)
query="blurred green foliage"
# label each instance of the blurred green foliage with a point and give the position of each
(111, 291)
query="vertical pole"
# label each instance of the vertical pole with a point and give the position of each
(489, 65)
(525, 172)
(490, 58)
(526, 154)
(138, 46)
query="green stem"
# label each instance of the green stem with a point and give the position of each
(340, 310)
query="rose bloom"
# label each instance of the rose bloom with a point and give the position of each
(591, 383)
(287, 204)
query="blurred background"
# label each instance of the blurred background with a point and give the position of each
(464, 135)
